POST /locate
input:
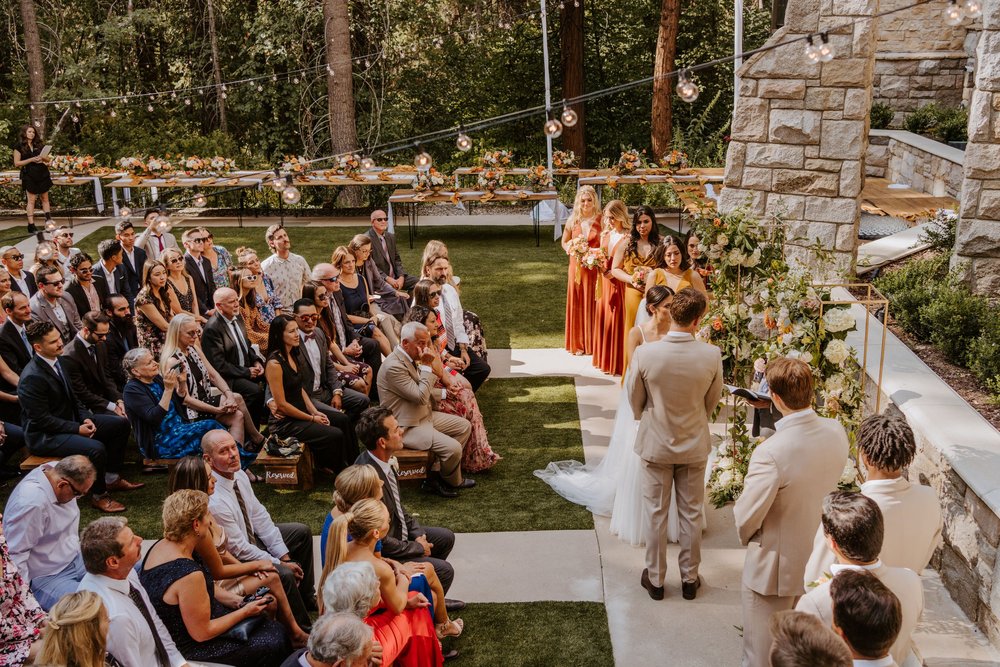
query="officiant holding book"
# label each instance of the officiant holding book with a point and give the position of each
(31, 155)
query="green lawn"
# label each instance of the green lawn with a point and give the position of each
(518, 290)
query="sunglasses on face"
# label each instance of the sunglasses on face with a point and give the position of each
(77, 493)
(434, 294)
(16, 258)
(334, 279)
(84, 271)
(309, 318)
(251, 278)
(57, 283)
(380, 219)
(199, 240)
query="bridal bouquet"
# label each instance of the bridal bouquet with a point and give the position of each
(578, 248)
(496, 159)
(540, 178)
(639, 278)
(594, 258)
(563, 159)
(79, 165)
(431, 180)
(629, 162)
(490, 179)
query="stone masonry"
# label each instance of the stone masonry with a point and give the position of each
(800, 129)
(977, 246)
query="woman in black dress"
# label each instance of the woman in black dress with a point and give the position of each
(35, 178)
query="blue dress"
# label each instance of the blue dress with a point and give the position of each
(267, 646)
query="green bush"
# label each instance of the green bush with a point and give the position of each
(984, 352)
(941, 231)
(911, 287)
(955, 318)
(881, 115)
(952, 125)
(922, 120)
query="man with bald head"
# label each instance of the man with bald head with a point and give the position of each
(386, 255)
(227, 347)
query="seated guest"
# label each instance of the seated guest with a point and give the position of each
(199, 269)
(49, 304)
(10, 409)
(245, 282)
(87, 290)
(852, 523)
(473, 326)
(76, 634)
(133, 258)
(182, 592)
(42, 526)
(110, 267)
(359, 300)
(122, 336)
(867, 616)
(288, 270)
(154, 404)
(136, 635)
(326, 386)
(450, 309)
(351, 372)
(14, 345)
(63, 239)
(399, 610)
(228, 349)
(459, 400)
(385, 254)
(45, 257)
(337, 640)
(21, 618)
(391, 300)
(267, 297)
(251, 533)
(911, 512)
(406, 540)
(405, 384)
(152, 240)
(234, 579)
(299, 417)
(56, 425)
(20, 280)
(801, 640)
(84, 359)
(201, 402)
(181, 284)
(154, 306)
(11, 442)
(4, 290)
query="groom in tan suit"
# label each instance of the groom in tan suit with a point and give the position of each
(779, 510)
(674, 385)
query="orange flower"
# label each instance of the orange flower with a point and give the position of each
(717, 222)
(717, 324)
(770, 281)
(769, 321)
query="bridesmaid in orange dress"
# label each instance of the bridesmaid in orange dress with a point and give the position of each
(581, 283)
(609, 322)
(677, 270)
(638, 251)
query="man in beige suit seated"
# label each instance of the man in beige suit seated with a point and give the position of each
(867, 616)
(779, 510)
(853, 526)
(911, 512)
(406, 386)
(674, 385)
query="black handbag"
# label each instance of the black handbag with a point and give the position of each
(241, 631)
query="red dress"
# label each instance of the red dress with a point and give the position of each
(581, 285)
(408, 639)
(609, 320)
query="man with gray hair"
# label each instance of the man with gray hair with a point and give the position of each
(337, 640)
(136, 635)
(42, 526)
(406, 386)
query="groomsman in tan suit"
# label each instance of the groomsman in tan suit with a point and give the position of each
(853, 526)
(405, 386)
(867, 616)
(779, 510)
(674, 385)
(911, 512)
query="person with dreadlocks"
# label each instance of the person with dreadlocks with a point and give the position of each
(912, 512)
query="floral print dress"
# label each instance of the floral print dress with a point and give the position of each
(21, 618)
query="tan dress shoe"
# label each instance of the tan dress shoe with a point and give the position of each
(106, 504)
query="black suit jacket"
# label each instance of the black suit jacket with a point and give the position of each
(393, 545)
(12, 348)
(379, 256)
(28, 278)
(121, 278)
(75, 291)
(91, 384)
(327, 373)
(118, 343)
(133, 274)
(50, 413)
(204, 288)
(220, 349)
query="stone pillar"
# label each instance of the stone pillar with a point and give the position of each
(800, 129)
(977, 246)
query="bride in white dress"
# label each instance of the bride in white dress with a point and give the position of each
(613, 487)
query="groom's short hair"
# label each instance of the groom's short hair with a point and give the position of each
(792, 380)
(802, 640)
(687, 306)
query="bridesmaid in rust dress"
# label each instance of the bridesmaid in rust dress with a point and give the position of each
(581, 283)
(609, 322)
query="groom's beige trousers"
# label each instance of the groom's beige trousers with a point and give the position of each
(689, 482)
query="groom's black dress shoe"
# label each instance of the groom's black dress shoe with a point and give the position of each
(689, 589)
(434, 485)
(655, 592)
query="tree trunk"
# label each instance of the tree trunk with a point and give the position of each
(216, 67)
(571, 40)
(36, 71)
(663, 87)
(340, 86)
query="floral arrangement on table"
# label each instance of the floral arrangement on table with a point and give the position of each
(761, 308)
(675, 160)
(155, 167)
(630, 161)
(431, 180)
(490, 179)
(133, 165)
(350, 166)
(500, 159)
(294, 164)
(219, 165)
(73, 165)
(563, 159)
(540, 178)
(191, 164)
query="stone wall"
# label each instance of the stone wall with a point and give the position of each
(922, 164)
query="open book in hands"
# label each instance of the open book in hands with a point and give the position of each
(748, 394)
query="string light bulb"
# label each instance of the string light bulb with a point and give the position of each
(163, 224)
(552, 128)
(125, 211)
(687, 89)
(569, 117)
(291, 194)
(423, 160)
(825, 50)
(973, 8)
(953, 13)
(200, 200)
(367, 163)
(45, 250)
(463, 142)
(812, 50)
(278, 183)
(50, 225)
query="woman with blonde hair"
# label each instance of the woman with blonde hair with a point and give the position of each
(46, 254)
(181, 283)
(358, 301)
(5, 289)
(267, 299)
(77, 633)
(609, 320)
(581, 284)
(433, 251)
(246, 284)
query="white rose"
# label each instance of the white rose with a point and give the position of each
(849, 475)
(724, 463)
(726, 478)
(722, 240)
(836, 384)
(837, 352)
(754, 259)
(737, 477)
(838, 319)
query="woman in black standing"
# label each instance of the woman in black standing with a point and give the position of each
(35, 177)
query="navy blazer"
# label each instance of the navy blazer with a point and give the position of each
(50, 412)
(121, 278)
(28, 278)
(12, 347)
(204, 288)
(89, 379)
(393, 546)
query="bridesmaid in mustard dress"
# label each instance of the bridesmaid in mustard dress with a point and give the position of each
(639, 251)
(677, 271)
(609, 355)
(581, 283)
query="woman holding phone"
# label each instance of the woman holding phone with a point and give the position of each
(36, 181)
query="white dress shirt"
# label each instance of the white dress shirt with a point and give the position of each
(129, 637)
(22, 282)
(43, 535)
(450, 294)
(113, 287)
(226, 510)
(312, 354)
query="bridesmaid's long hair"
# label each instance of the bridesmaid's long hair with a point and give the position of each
(668, 242)
(633, 238)
(575, 215)
(37, 143)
